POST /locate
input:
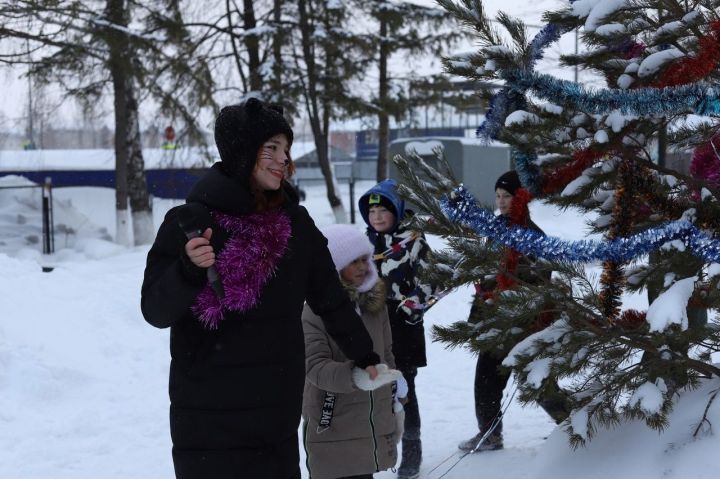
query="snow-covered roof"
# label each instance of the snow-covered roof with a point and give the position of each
(100, 159)
(426, 143)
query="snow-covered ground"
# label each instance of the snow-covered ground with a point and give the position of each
(83, 378)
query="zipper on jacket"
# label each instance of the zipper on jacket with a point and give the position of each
(372, 430)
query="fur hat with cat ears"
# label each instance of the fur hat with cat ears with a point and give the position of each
(240, 131)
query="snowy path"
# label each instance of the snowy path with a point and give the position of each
(83, 378)
(84, 381)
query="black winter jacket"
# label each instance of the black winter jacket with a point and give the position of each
(236, 392)
(529, 271)
(400, 257)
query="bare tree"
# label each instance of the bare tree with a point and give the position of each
(415, 31)
(245, 47)
(330, 61)
(90, 48)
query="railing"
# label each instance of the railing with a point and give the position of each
(48, 228)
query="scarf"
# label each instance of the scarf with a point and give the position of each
(249, 259)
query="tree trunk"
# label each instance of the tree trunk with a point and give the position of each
(277, 44)
(252, 45)
(143, 230)
(311, 101)
(337, 209)
(233, 44)
(321, 145)
(130, 179)
(383, 117)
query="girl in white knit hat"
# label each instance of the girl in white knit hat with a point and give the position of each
(351, 424)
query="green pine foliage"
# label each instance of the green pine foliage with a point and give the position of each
(614, 364)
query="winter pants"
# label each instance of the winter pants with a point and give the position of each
(490, 382)
(412, 413)
(489, 385)
(411, 445)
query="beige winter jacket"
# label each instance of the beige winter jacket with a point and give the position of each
(354, 436)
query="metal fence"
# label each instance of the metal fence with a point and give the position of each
(48, 228)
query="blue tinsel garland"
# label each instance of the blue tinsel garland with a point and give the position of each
(462, 208)
(528, 171)
(698, 98)
(510, 99)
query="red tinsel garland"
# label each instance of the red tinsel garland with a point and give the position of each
(684, 71)
(562, 176)
(705, 164)
(519, 215)
(692, 69)
(631, 319)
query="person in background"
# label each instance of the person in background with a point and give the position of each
(400, 258)
(350, 426)
(229, 273)
(511, 201)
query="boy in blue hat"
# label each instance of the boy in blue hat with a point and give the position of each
(400, 257)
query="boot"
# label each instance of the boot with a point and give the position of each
(491, 443)
(411, 459)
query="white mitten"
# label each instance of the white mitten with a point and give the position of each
(361, 378)
(402, 388)
(399, 411)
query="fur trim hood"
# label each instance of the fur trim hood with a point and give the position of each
(371, 301)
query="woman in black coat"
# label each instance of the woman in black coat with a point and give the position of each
(237, 368)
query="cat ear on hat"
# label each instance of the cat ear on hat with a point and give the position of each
(253, 105)
(276, 107)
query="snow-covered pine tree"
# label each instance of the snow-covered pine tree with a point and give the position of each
(596, 150)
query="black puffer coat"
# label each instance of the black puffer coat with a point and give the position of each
(236, 392)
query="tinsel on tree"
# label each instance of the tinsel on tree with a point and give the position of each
(595, 149)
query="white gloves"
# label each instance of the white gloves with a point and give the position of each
(402, 388)
(361, 378)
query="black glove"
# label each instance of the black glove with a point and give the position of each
(370, 360)
(413, 318)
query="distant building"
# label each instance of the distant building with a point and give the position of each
(367, 148)
(153, 136)
(309, 159)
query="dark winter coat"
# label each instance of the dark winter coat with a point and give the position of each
(360, 438)
(236, 391)
(528, 271)
(400, 257)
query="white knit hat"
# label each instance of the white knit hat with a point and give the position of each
(346, 244)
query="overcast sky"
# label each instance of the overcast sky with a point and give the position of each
(13, 101)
